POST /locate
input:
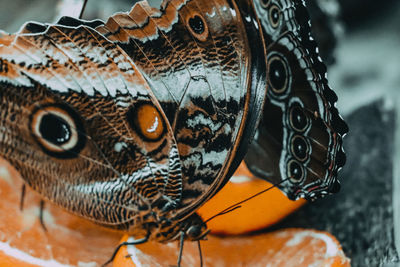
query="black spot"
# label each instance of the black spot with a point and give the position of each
(295, 171)
(298, 119)
(299, 148)
(191, 194)
(197, 24)
(207, 105)
(54, 129)
(274, 16)
(218, 144)
(34, 27)
(277, 75)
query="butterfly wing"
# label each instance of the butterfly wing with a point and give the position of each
(299, 141)
(209, 79)
(84, 129)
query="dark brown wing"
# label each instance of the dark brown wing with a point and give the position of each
(299, 142)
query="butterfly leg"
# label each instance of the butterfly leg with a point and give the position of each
(200, 253)
(41, 208)
(136, 242)
(181, 241)
(21, 202)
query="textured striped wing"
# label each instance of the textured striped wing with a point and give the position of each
(208, 77)
(116, 166)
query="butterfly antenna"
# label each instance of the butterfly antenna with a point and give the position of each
(237, 205)
(83, 8)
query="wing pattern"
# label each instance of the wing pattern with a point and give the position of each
(299, 142)
(136, 122)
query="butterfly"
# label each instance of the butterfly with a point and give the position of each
(134, 133)
(299, 141)
(135, 122)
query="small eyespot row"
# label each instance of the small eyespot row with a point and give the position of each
(278, 76)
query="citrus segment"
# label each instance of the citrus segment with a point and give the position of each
(255, 214)
(68, 241)
(284, 248)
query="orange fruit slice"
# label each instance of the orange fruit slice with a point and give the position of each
(285, 248)
(69, 240)
(72, 241)
(255, 214)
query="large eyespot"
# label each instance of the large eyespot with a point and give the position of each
(58, 130)
(278, 75)
(297, 119)
(198, 27)
(274, 16)
(299, 148)
(295, 171)
(147, 121)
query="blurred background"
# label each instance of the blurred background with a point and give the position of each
(360, 41)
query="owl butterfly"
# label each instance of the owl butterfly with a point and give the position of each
(136, 122)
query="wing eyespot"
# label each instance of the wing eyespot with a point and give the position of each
(297, 119)
(198, 27)
(278, 75)
(274, 16)
(295, 171)
(147, 121)
(299, 148)
(58, 130)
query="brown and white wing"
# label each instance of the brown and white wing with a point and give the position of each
(83, 127)
(205, 63)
